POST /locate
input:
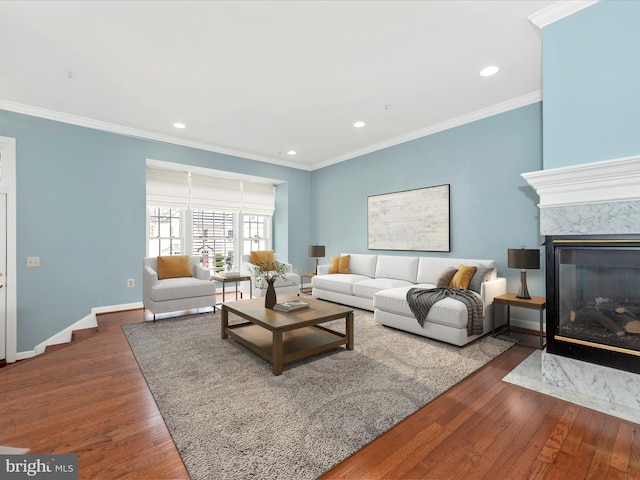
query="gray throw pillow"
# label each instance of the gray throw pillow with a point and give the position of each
(445, 277)
(482, 275)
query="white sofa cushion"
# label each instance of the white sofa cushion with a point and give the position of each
(367, 288)
(182, 287)
(400, 268)
(337, 282)
(362, 264)
(447, 311)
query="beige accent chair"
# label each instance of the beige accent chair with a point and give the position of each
(181, 293)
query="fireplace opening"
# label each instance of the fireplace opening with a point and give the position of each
(593, 298)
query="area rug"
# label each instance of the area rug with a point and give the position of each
(230, 418)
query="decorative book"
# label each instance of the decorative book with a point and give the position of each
(290, 306)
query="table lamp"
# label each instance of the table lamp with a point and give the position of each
(316, 251)
(524, 258)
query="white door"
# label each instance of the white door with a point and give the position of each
(3, 269)
(8, 297)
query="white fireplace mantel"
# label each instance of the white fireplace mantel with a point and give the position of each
(590, 183)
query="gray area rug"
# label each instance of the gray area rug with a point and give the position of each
(230, 418)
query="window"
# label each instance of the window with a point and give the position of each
(255, 233)
(207, 214)
(165, 231)
(214, 238)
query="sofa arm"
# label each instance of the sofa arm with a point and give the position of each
(201, 272)
(323, 269)
(492, 289)
(150, 276)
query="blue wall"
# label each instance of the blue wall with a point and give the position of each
(492, 207)
(591, 85)
(81, 209)
(81, 205)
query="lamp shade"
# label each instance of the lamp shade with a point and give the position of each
(524, 258)
(316, 251)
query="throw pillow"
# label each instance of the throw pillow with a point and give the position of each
(174, 266)
(462, 277)
(340, 264)
(264, 259)
(445, 277)
(482, 275)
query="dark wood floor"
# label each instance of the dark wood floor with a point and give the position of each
(90, 398)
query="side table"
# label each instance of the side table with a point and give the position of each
(511, 300)
(304, 289)
(236, 280)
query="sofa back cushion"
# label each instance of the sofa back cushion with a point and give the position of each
(430, 268)
(400, 268)
(362, 264)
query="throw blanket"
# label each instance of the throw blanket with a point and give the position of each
(422, 299)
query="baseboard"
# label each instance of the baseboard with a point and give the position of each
(64, 336)
(527, 324)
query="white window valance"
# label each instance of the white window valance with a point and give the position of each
(258, 198)
(167, 188)
(181, 189)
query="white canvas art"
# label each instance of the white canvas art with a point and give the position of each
(410, 220)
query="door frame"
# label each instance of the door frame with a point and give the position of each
(8, 187)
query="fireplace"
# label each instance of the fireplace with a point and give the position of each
(593, 299)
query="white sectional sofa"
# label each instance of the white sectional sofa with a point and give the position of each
(380, 283)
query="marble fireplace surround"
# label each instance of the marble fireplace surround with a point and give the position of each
(589, 199)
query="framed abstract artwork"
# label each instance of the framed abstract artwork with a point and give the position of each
(409, 220)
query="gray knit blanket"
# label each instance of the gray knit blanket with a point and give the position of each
(422, 299)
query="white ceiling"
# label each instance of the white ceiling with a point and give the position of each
(258, 78)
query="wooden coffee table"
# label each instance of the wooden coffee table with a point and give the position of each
(283, 337)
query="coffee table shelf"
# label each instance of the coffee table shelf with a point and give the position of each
(296, 344)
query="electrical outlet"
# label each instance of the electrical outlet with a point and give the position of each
(131, 283)
(33, 261)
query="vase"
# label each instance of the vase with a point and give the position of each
(270, 297)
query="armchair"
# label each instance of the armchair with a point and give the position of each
(191, 287)
(290, 284)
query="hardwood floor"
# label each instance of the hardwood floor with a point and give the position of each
(90, 398)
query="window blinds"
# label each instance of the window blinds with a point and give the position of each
(167, 188)
(173, 188)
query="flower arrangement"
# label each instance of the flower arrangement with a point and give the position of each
(268, 272)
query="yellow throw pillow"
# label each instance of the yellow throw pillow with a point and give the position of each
(462, 277)
(265, 259)
(340, 264)
(174, 266)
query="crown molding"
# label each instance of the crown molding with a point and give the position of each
(137, 133)
(607, 181)
(502, 107)
(557, 11)
(496, 109)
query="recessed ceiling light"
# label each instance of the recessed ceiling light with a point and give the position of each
(359, 124)
(488, 71)
(179, 125)
(292, 152)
